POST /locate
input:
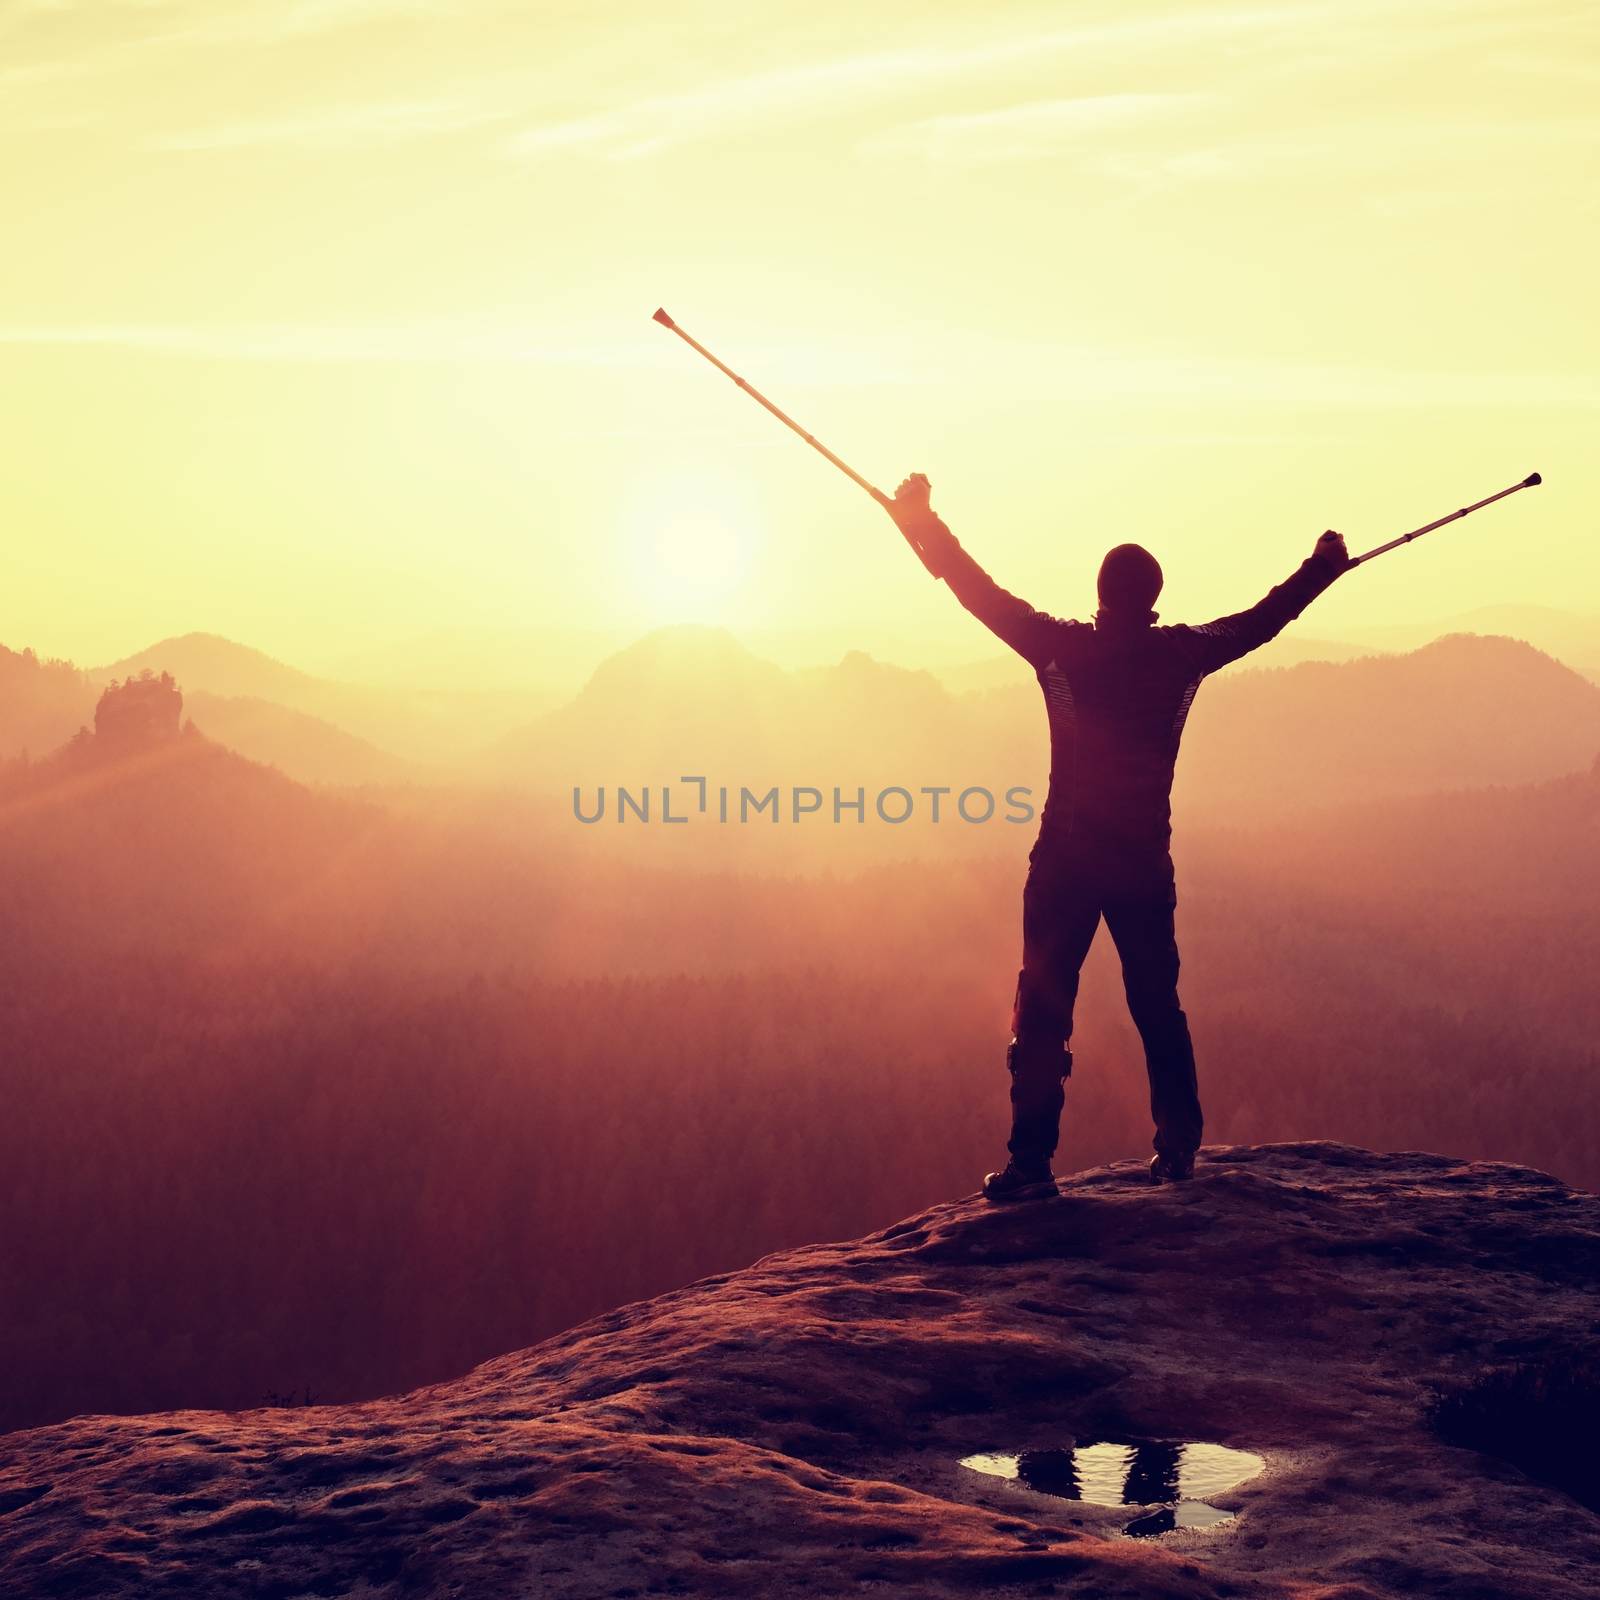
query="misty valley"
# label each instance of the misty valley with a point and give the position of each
(326, 1090)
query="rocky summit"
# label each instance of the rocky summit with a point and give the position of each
(1221, 1388)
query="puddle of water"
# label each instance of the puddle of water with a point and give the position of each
(1172, 1478)
(1186, 1514)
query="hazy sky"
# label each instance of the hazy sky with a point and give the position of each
(326, 322)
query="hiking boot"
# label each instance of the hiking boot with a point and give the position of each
(1172, 1168)
(1020, 1183)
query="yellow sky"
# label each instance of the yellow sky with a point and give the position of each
(326, 322)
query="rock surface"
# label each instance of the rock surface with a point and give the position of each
(796, 1428)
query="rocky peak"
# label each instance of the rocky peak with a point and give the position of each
(138, 712)
(840, 1418)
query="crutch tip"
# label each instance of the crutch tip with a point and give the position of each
(1531, 479)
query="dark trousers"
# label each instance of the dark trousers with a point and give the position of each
(1062, 905)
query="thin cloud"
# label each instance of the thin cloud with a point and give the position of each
(1328, 386)
(784, 93)
(148, 32)
(210, 23)
(322, 16)
(1376, 146)
(148, 27)
(335, 127)
(1559, 68)
(1107, 372)
(1035, 128)
(316, 342)
(469, 342)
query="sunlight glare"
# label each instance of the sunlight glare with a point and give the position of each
(692, 554)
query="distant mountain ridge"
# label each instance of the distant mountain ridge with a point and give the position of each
(397, 731)
(1461, 712)
(1572, 637)
(307, 748)
(220, 667)
(1465, 711)
(42, 703)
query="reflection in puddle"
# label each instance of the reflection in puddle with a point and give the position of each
(1174, 1478)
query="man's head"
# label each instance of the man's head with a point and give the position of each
(1130, 581)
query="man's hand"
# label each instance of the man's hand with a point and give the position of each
(918, 521)
(1330, 548)
(910, 508)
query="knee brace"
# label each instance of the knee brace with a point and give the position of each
(1041, 1057)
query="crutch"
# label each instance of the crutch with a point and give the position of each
(1529, 482)
(789, 422)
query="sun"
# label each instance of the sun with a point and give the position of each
(697, 559)
(691, 557)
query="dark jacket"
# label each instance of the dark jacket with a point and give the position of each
(1117, 694)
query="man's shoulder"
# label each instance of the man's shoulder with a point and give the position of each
(1067, 633)
(1183, 645)
(1064, 630)
(1059, 643)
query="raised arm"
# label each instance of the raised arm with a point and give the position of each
(1217, 643)
(1030, 633)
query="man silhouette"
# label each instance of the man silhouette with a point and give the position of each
(1117, 692)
